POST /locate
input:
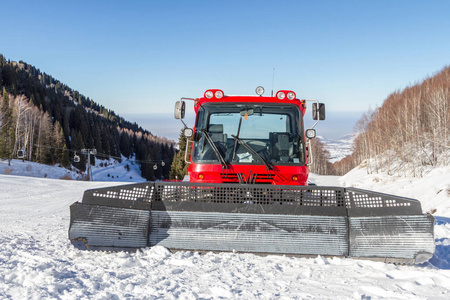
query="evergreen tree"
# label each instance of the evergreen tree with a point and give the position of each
(105, 141)
(7, 128)
(169, 160)
(61, 153)
(97, 129)
(46, 140)
(125, 148)
(65, 161)
(179, 166)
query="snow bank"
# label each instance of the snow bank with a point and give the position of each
(432, 190)
(32, 169)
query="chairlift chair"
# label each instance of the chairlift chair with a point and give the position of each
(21, 153)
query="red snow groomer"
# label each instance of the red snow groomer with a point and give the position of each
(247, 192)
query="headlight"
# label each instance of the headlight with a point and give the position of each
(219, 94)
(188, 132)
(208, 94)
(310, 133)
(291, 95)
(281, 95)
(259, 91)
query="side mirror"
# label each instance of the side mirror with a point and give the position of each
(310, 133)
(318, 111)
(180, 108)
(188, 132)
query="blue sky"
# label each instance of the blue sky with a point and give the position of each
(138, 57)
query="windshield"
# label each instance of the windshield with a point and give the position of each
(272, 131)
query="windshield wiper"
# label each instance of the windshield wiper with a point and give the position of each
(253, 152)
(214, 147)
(236, 140)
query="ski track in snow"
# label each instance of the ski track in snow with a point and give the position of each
(38, 262)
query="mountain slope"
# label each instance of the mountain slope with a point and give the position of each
(50, 123)
(410, 132)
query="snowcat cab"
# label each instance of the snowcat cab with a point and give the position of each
(248, 139)
(247, 192)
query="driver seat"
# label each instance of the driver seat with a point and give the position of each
(281, 147)
(216, 133)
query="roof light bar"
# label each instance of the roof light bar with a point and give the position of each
(282, 95)
(214, 94)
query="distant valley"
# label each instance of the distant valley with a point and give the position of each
(338, 148)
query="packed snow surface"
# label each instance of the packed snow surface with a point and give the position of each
(38, 262)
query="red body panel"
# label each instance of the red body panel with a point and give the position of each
(280, 175)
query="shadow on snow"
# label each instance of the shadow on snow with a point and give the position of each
(441, 257)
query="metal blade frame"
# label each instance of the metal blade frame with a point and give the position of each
(298, 220)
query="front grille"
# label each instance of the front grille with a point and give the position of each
(260, 178)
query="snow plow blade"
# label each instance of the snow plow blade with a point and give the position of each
(265, 219)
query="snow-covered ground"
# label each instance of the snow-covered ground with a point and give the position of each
(128, 170)
(38, 262)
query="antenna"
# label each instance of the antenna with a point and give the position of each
(273, 80)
